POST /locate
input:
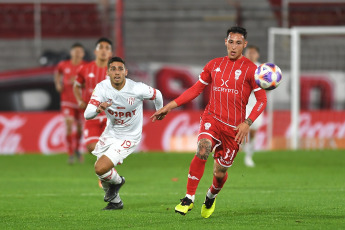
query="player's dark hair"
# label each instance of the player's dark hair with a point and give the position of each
(237, 30)
(77, 44)
(104, 40)
(253, 47)
(115, 59)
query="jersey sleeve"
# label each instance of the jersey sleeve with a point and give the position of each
(205, 76)
(80, 80)
(59, 68)
(97, 96)
(147, 92)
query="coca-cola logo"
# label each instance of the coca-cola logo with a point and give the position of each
(9, 138)
(52, 136)
(180, 134)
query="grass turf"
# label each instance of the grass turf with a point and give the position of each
(286, 190)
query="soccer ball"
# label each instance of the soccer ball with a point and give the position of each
(268, 76)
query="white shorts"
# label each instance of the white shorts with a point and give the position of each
(116, 150)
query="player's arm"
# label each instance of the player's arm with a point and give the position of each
(57, 79)
(158, 100)
(77, 89)
(185, 97)
(260, 105)
(97, 104)
(92, 110)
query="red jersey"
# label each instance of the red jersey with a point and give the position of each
(231, 83)
(89, 76)
(69, 73)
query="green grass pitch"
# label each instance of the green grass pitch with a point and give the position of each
(286, 190)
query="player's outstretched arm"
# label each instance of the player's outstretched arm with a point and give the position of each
(92, 111)
(160, 114)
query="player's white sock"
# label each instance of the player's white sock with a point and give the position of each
(192, 197)
(211, 195)
(111, 177)
(117, 199)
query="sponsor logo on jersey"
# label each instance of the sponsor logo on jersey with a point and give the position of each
(121, 107)
(92, 75)
(224, 83)
(237, 74)
(131, 100)
(225, 90)
(193, 177)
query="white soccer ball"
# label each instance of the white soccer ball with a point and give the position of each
(268, 76)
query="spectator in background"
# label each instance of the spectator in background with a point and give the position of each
(64, 77)
(88, 77)
(252, 53)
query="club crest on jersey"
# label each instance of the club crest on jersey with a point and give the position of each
(131, 100)
(237, 74)
(91, 75)
(207, 125)
(67, 70)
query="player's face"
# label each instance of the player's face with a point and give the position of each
(77, 53)
(252, 54)
(235, 43)
(103, 51)
(117, 73)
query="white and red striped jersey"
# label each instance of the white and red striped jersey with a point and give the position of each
(88, 77)
(231, 83)
(125, 115)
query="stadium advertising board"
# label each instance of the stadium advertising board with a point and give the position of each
(44, 132)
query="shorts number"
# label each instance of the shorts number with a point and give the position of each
(126, 144)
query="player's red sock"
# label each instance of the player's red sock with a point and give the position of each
(218, 185)
(77, 141)
(196, 171)
(69, 142)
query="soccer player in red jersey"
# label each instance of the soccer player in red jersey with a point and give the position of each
(223, 125)
(64, 76)
(88, 77)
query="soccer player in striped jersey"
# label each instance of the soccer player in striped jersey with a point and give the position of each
(223, 125)
(88, 77)
(64, 77)
(122, 101)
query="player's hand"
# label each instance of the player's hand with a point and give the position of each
(82, 105)
(160, 114)
(103, 106)
(59, 88)
(243, 130)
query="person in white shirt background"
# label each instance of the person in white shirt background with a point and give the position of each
(122, 101)
(252, 53)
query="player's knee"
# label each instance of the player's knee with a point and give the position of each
(204, 148)
(100, 169)
(219, 175)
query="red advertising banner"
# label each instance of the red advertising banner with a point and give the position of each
(45, 132)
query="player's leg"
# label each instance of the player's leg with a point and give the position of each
(220, 175)
(110, 179)
(77, 137)
(196, 171)
(68, 117)
(249, 149)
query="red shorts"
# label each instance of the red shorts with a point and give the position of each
(93, 129)
(74, 113)
(222, 137)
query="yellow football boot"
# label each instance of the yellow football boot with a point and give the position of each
(185, 206)
(208, 207)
